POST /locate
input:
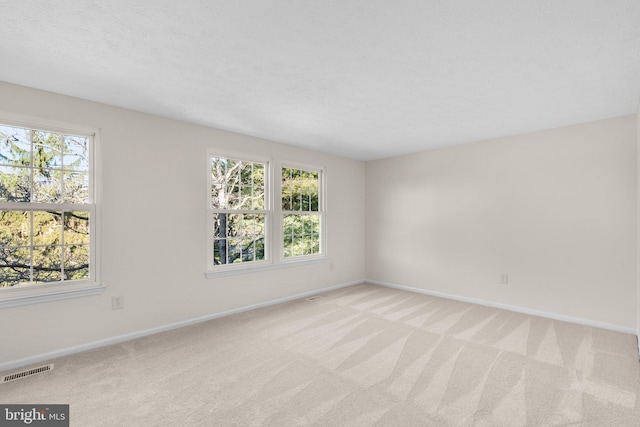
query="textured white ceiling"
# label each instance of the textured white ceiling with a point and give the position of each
(361, 78)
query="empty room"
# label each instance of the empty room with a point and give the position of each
(336, 213)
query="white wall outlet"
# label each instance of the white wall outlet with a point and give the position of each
(117, 302)
(504, 278)
(331, 266)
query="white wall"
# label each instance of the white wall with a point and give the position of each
(638, 222)
(154, 239)
(555, 209)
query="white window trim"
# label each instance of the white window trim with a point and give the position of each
(264, 267)
(230, 269)
(53, 291)
(322, 209)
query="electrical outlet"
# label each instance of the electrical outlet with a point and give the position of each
(117, 302)
(331, 266)
(504, 278)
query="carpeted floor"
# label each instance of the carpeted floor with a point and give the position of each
(359, 356)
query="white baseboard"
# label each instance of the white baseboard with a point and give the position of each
(523, 310)
(133, 335)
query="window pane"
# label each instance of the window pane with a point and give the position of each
(47, 186)
(298, 224)
(76, 228)
(288, 246)
(15, 146)
(308, 223)
(258, 175)
(245, 174)
(288, 224)
(234, 248)
(232, 184)
(294, 187)
(258, 198)
(76, 262)
(301, 234)
(15, 184)
(260, 222)
(47, 263)
(217, 183)
(297, 249)
(307, 245)
(313, 190)
(47, 150)
(259, 245)
(76, 153)
(76, 187)
(14, 266)
(258, 186)
(219, 251)
(47, 229)
(299, 199)
(286, 189)
(243, 240)
(249, 224)
(248, 253)
(11, 276)
(234, 225)
(236, 184)
(48, 248)
(300, 190)
(220, 225)
(314, 223)
(15, 228)
(233, 199)
(215, 193)
(246, 197)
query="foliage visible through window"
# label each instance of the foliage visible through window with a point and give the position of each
(239, 209)
(301, 212)
(45, 206)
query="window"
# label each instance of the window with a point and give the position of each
(47, 208)
(239, 212)
(302, 212)
(248, 230)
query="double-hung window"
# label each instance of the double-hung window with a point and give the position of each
(47, 208)
(302, 212)
(248, 229)
(239, 212)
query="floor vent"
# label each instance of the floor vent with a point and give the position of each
(27, 373)
(314, 298)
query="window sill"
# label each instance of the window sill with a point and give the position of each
(7, 301)
(265, 267)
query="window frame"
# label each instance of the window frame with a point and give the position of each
(32, 293)
(322, 254)
(274, 227)
(215, 270)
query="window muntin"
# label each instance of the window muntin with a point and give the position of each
(46, 206)
(239, 211)
(301, 212)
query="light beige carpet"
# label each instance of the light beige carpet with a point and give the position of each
(360, 356)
